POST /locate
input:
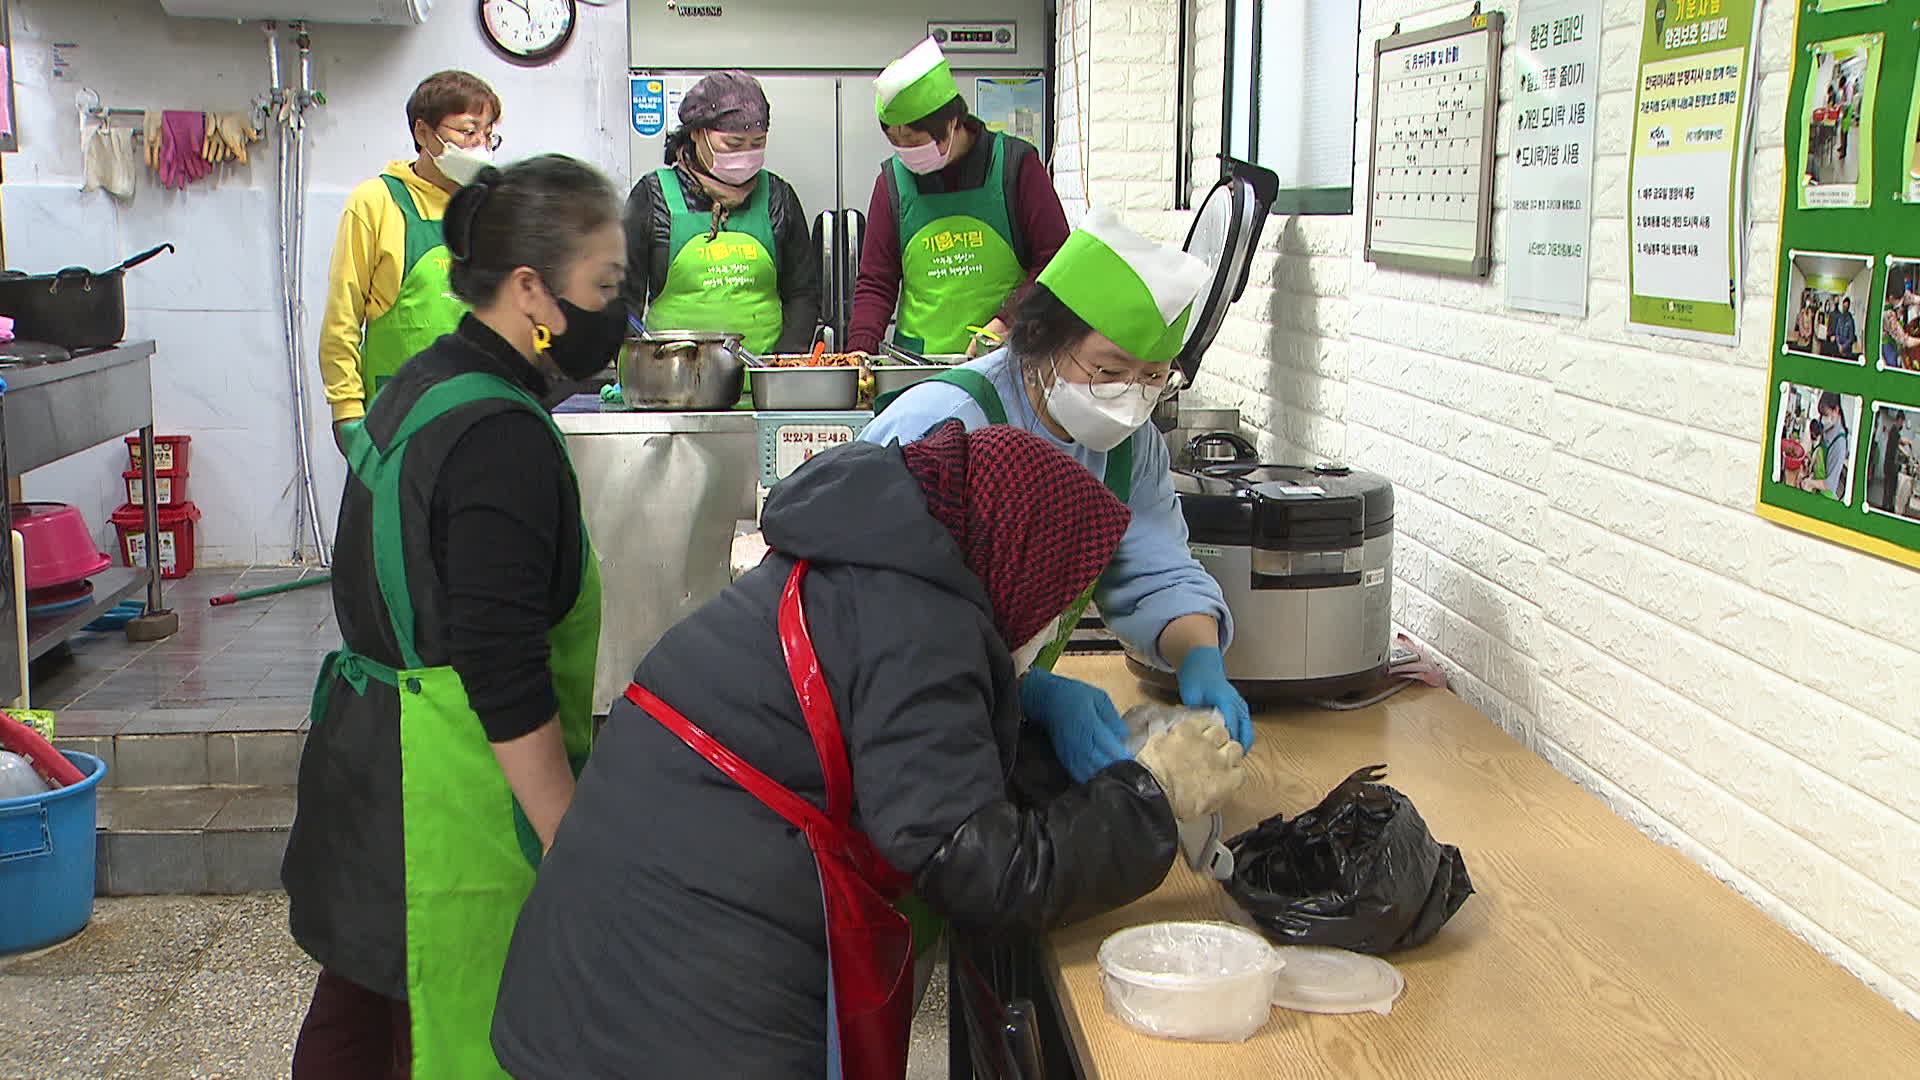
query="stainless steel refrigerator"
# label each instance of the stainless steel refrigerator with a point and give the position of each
(817, 60)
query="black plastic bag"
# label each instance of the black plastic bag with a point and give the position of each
(1359, 871)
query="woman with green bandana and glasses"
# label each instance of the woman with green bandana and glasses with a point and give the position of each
(961, 219)
(1091, 356)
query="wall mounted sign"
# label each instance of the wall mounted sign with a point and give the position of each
(649, 94)
(1556, 63)
(1430, 187)
(1842, 442)
(1686, 207)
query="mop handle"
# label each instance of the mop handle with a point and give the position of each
(269, 590)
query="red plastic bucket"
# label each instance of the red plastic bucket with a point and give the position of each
(170, 452)
(170, 486)
(176, 537)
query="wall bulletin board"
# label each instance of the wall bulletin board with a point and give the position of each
(1842, 443)
(1430, 186)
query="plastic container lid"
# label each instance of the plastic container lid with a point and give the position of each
(1318, 980)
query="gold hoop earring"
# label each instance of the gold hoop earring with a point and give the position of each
(542, 338)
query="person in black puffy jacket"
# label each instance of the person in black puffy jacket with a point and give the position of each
(676, 927)
(714, 240)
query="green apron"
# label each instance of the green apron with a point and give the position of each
(470, 853)
(957, 263)
(927, 925)
(425, 307)
(729, 282)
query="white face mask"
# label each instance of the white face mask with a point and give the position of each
(1025, 655)
(460, 164)
(1099, 423)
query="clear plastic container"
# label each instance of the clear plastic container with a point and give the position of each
(1197, 981)
(18, 777)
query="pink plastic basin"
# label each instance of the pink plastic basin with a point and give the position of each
(58, 547)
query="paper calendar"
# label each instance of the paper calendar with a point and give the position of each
(1430, 188)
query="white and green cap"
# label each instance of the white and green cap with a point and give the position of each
(1135, 291)
(915, 86)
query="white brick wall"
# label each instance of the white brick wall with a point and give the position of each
(1576, 535)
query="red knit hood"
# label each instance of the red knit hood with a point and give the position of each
(1031, 522)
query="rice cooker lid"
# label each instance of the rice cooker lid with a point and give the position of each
(1284, 507)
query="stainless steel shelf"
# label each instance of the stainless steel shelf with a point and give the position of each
(110, 587)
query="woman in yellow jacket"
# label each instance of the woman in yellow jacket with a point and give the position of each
(387, 291)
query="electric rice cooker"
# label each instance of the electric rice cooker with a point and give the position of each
(1305, 558)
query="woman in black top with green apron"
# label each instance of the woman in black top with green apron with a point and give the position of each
(714, 240)
(449, 725)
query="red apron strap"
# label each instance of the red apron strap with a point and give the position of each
(816, 704)
(799, 813)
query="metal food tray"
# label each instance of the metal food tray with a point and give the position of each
(805, 389)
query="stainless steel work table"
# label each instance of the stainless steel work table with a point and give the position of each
(50, 411)
(661, 491)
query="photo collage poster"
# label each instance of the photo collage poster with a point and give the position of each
(1842, 447)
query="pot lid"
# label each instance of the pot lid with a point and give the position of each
(1224, 234)
(1284, 507)
(1320, 980)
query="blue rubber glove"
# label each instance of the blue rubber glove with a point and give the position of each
(1086, 729)
(1204, 685)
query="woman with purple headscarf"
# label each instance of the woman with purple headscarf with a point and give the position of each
(714, 240)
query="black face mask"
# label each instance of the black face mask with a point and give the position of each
(592, 338)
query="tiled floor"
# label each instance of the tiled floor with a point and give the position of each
(159, 987)
(250, 664)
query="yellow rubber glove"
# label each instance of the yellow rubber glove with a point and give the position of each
(236, 131)
(210, 141)
(152, 139)
(1197, 764)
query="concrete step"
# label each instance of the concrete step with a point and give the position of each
(203, 838)
(190, 758)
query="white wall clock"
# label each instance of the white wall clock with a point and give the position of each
(528, 31)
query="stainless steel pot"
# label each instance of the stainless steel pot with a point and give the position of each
(74, 308)
(682, 370)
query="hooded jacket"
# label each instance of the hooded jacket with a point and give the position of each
(676, 927)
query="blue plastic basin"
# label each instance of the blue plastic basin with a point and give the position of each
(46, 860)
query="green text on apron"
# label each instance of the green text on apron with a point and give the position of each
(1119, 480)
(470, 852)
(957, 263)
(729, 281)
(425, 307)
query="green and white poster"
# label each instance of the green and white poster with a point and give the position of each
(1842, 438)
(1693, 108)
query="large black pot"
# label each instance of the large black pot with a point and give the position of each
(75, 307)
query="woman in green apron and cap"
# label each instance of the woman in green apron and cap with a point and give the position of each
(962, 217)
(1091, 357)
(714, 240)
(449, 725)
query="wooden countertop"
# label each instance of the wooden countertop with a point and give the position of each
(1587, 951)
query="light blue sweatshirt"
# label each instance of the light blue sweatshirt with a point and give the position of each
(1153, 579)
